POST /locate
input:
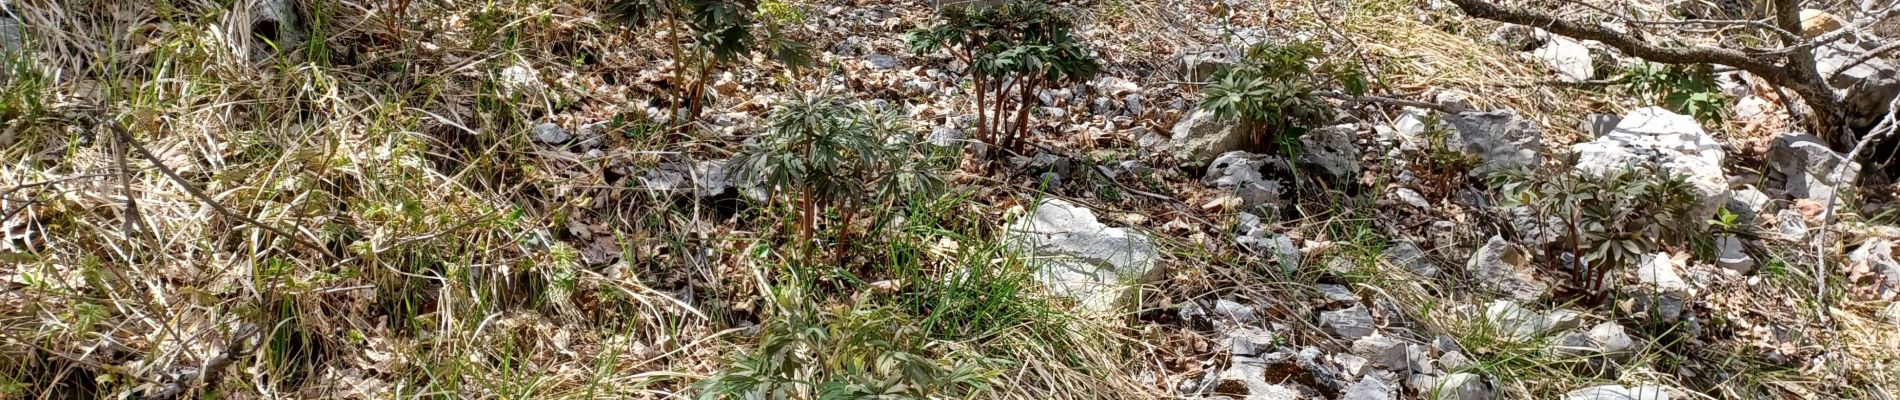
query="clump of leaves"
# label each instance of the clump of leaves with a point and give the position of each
(1014, 48)
(722, 32)
(1610, 220)
(1689, 89)
(1275, 89)
(825, 152)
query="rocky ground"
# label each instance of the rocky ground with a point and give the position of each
(496, 199)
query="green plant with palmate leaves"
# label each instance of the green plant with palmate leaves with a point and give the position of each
(1610, 219)
(1275, 89)
(1685, 88)
(723, 32)
(824, 152)
(1014, 49)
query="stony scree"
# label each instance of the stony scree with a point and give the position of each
(1674, 142)
(1082, 258)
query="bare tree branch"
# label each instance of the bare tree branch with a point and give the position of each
(1792, 66)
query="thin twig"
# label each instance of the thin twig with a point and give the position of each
(1885, 128)
(126, 137)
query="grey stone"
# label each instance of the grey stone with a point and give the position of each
(1877, 256)
(1285, 252)
(1803, 167)
(1368, 388)
(1673, 142)
(548, 132)
(1198, 67)
(1561, 320)
(1201, 136)
(1454, 361)
(1241, 172)
(1747, 204)
(1330, 152)
(1350, 323)
(1411, 198)
(1618, 392)
(1445, 344)
(1502, 140)
(1610, 338)
(1453, 101)
(1505, 267)
(1081, 258)
(711, 177)
(1104, 106)
(11, 38)
(1598, 125)
(1518, 37)
(1406, 254)
(1250, 342)
(1661, 287)
(880, 61)
(920, 86)
(1419, 359)
(1508, 317)
(1568, 57)
(705, 178)
(1132, 104)
(1424, 384)
(520, 78)
(1050, 180)
(1867, 88)
(1234, 314)
(1732, 254)
(944, 136)
(1337, 294)
(1383, 351)
(1791, 224)
(1462, 386)
(1351, 365)
(274, 25)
